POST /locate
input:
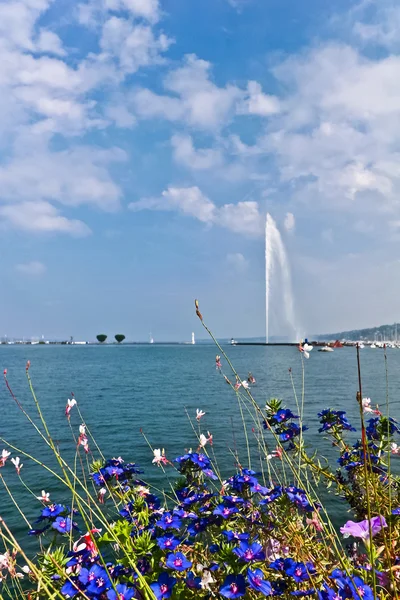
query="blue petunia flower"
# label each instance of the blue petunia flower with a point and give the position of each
(123, 592)
(300, 571)
(257, 582)
(71, 587)
(168, 542)
(169, 521)
(53, 510)
(96, 580)
(234, 586)
(225, 511)
(178, 562)
(249, 552)
(193, 582)
(62, 524)
(162, 588)
(359, 589)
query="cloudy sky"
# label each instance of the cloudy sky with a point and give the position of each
(143, 141)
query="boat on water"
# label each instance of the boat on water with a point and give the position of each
(325, 349)
(233, 342)
(372, 346)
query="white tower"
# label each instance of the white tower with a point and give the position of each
(193, 340)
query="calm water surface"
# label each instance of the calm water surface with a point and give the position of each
(123, 389)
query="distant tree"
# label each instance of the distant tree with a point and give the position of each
(101, 338)
(119, 337)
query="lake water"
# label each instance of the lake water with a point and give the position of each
(123, 389)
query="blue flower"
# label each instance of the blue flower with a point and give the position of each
(303, 593)
(62, 524)
(249, 552)
(257, 582)
(169, 521)
(225, 511)
(234, 586)
(168, 542)
(359, 589)
(284, 414)
(396, 511)
(192, 581)
(96, 580)
(299, 571)
(53, 510)
(178, 562)
(162, 588)
(233, 535)
(71, 588)
(123, 592)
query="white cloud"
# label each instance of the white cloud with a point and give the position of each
(289, 222)
(40, 217)
(33, 268)
(133, 45)
(197, 101)
(72, 177)
(243, 217)
(258, 103)
(92, 12)
(383, 28)
(186, 154)
(237, 261)
(50, 43)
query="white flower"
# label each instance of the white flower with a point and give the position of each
(366, 405)
(17, 464)
(206, 580)
(307, 348)
(159, 457)
(199, 414)
(45, 497)
(245, 385)
(203, 440)
(25, 569)
(4, 455)
(82, 429)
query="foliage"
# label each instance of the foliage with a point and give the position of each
(119, 337)
(258, 533)
(101, 338)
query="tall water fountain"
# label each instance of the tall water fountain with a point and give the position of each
(276, 257)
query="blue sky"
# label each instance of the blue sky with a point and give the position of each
(143, 141)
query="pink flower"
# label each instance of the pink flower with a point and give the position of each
(394, 448)
(361, 529)
(3, 458)
(45, 497)
(315, 522)
(82, 439)
(366, 406)
(159, 457)
(218, 362)
(277, 453)
(101, 494)
(199, 414)
(70, 404)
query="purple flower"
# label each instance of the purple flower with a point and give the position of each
(162, 588)
(178, 562)
(123, 592)
(249, 552)
(193, 582)
(62, 524)
(234, 586)
(361, 529)
(257, 582)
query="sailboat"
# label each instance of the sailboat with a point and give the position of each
(151, 341)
